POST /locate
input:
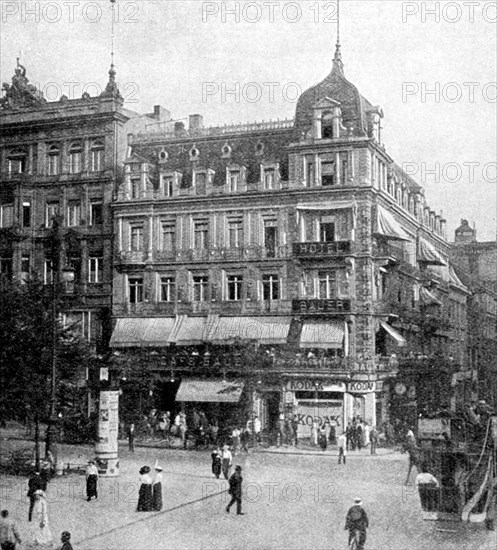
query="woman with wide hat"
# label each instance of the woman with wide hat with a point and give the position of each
(145, 492)
(157, 488)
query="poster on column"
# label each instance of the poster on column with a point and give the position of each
(327, 413)
(108, 424)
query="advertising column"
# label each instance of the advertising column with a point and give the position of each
(108, 426)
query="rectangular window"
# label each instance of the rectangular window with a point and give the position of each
(95, 269)
(234, 287)
(26, 214)
(200, 287)
(135, 188)
(328, 173)
(74, 261)
(75, 162)
(269, 178)
(53, 164)
(235, 230)
(136, 238)
(97, 160)
(73, 213)
(17, 165)
(270, 239)
(52, 211)
(168, 236)
(201, 235)
(344, 173)
(167, 289)
(327, 285)
(96, 213)
(6, 215)
(310, 175)
(326, 231)
(48, 272)
(135, 290)
(271, 287)
(233, 181)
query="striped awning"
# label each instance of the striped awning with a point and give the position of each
(189, 331)
(428, 298)
(326, 335)
(389, 227)
(265, 330)
(428, 254)
(210, 390)
(322, 206)
(399, 339)
(142, 332)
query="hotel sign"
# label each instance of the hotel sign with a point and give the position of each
(321, 306)
(318, 249)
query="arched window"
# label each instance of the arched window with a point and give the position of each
(97, 156)
(75, 158)
(18, 162)
(327, 125)
(53, 160)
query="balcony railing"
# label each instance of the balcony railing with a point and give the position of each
(340, 364)
(244, 253)
(131, 256)
(321, 250)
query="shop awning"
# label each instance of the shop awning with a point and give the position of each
(454, 279)
(401, 341)
(210, 390)
(189, 331)
(326, 335)
(265, 330)
(428, 298)
(142, 332)
(428, 254)
(388, 226)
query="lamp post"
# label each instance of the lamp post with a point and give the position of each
(67, 274)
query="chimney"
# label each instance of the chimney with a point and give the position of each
(179, 128)
(195, 122)
(161, 113)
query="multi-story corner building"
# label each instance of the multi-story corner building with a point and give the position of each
(60, 162)
(476, 263)
(300, 243)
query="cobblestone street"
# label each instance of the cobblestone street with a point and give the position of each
(290, 501)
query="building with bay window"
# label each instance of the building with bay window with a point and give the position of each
(281, 268)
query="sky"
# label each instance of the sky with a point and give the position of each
(432, 66)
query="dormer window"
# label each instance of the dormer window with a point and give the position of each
(226, 151)
(233, 181)
(327, 125)
(135, 188)
(75, 158)
(167, 185)
(270, 176)
(269, 179)
(201, 178)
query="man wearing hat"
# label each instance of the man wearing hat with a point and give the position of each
(357, 520)
(235, 491)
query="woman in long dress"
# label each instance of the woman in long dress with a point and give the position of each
(145, 492)
(157, 489)
(41, 533)
(91, 480)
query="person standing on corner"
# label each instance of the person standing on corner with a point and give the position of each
(342, 448)
(216, 456)
(35, 482)
(157, 488)
(227, 461)
(235, 491)
(91, 480)
(131, 438)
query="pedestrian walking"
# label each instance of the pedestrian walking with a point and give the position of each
(244, 439)
(65, 539)
(145, 491)
(35, 482)
(359, 436)
(295, 427)
(41, 533)
(357, 520)
(131, 438)
(235, 491)
(216, 462)
(332, 436)
(314, 433)
(227, 460)
(342, 448)
(157, 488)
(91, 480)
(235, 437)
(373, 439)
(257, 429)
(323, 440)
(9, 535)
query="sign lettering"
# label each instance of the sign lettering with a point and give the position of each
(362, 387)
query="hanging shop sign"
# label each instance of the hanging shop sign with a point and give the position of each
(361, 387)
(321, 306)
(316, 385)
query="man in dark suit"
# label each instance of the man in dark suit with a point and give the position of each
(235, 491)
(35, 483)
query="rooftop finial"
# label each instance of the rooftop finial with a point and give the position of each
(337, 60)
(111, 89)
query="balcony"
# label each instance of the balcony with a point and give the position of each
(313, 250)
(131, 257)
(214, 255)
